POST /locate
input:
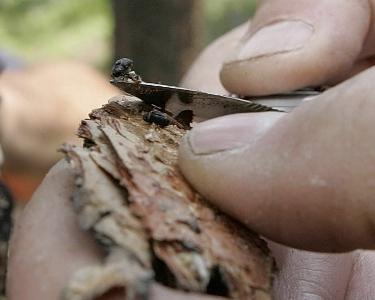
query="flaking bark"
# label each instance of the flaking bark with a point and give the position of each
(153, 226)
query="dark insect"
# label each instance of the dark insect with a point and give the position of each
(164, 118)
(123, 68)
(158, 117)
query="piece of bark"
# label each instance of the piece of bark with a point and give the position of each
(152, 225)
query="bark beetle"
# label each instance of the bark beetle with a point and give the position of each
(153, 226)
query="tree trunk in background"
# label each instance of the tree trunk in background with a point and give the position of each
(162, 37)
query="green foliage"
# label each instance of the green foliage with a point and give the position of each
(39, 29)
(48, 29)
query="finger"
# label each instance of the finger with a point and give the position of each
(305, 179)
(293, 44)
(47, 246)
(362, 281)
(32, 114)
(310, 275)
(305, 275)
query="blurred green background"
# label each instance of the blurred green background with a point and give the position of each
(49, 29)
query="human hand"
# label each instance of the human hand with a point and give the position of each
(42, 105)
(303, 179)
(40, 246)
(34, 113)
(48, 246)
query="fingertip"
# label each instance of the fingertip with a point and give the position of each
(296, 44)
(213, 157)
(47, 245)
(221, 134)
(299, 182)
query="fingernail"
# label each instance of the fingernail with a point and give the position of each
(230, 132)
(276, 38)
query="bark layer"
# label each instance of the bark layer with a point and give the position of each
(152, 225)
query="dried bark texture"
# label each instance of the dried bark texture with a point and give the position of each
(153, 226)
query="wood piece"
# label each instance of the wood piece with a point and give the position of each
(152, 225)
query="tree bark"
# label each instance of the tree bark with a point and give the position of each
(152, 225)
(162, 37)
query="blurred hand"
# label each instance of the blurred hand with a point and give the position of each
(305, 179)
(292, 44)
(41, 107)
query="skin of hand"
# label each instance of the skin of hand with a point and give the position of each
(302, 179)
(43, 105)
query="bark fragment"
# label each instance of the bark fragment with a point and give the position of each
(153, 226)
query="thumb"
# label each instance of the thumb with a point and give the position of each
(299, 43)
(304, 179)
